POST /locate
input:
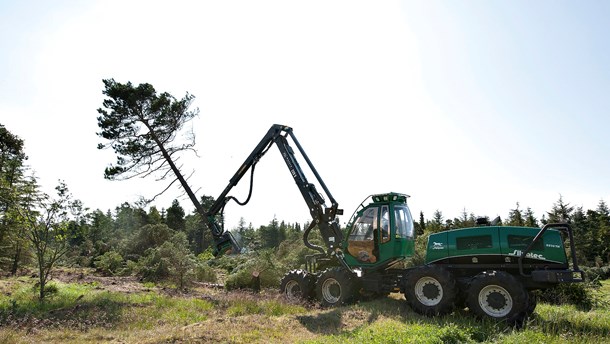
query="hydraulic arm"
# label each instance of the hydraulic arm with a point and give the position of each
(322, 215)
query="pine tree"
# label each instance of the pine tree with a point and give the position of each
(604, 230)
(561, 212)
(580, 228)
(154, 217)
(174, 217)
(436, 225)
(515, 217)
(530, 219)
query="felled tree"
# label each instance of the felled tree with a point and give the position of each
(145, 131)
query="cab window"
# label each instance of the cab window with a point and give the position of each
(364, 226)
(385, 224)
(403, 222)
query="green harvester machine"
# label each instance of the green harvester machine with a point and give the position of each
(493, 270)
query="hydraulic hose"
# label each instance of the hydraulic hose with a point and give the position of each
(306, 239)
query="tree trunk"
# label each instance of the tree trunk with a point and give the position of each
(177, 173)
(16, 259)
(42, 281)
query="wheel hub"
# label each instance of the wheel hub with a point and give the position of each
(293, 290)
(428, 291)
(331, 290)
(495, 301)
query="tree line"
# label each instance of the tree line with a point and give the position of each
(38, 230)
(145, 130)
(591, 227)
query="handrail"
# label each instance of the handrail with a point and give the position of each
(561, 226)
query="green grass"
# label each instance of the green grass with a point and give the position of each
(605, 290)
(78, 305)
(85, 313)
(266, 307)
(394, 331)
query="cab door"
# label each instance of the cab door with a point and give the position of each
(385, 249)
(362, 240)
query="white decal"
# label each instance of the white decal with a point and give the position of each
(437, 246)
(518, 253)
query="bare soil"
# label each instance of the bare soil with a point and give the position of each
(122, 284)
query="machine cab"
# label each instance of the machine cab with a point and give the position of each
(381, 232)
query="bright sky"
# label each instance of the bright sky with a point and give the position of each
(470, 105)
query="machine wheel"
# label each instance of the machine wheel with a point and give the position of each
(297, 284)
(335, 287)
(430, 290)
(532, 302)
(498, 295)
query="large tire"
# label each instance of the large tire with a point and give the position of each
(335, 287)
(430, 290)
(297, 284)
(532, 301)
(499, 296)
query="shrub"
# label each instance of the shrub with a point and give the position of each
(147, 237)
(204, 272)
(152, 267)
(263, 263)
(292, 253)
(171, 260)
(130, 268)
(419, 256)
(109, 263)
(206, 255)
(597, 273)
(582, 295)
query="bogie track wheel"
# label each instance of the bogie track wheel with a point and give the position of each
(335, 286)
(297, 284)
(430, 290)
(498, 295)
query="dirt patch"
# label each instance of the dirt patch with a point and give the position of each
(121, 284)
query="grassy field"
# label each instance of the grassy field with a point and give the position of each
(116, 311)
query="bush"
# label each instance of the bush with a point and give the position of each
(292, 253)
(204, 272)
(206, 255)
(147, 237)
(230, 263)
(171, 260)
(597, 273)
(152, 267)
(109, 263)
(419, 256)
(582, 295)
(130, 268)
(263, 263)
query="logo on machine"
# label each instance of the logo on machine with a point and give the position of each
(518, 253)
(437, 246)
(290, 166)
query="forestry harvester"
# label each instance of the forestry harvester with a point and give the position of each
(493, 270)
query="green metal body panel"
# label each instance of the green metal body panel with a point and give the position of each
(479, 242)
(392, 236)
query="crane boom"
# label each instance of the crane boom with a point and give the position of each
(322, 215)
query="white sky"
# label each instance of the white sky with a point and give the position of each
(474, 105)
